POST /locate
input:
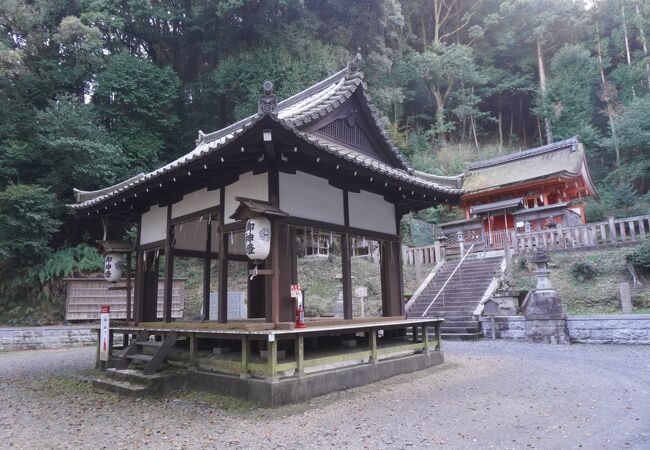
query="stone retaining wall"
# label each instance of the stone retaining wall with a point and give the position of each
(610, 329)
(29, 338)
(605, 329)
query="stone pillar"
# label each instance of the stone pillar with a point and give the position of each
(626, 299)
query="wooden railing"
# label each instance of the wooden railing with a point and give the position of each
(426, 255)
(612, 231)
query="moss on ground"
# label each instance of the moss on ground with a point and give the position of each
(598, 295)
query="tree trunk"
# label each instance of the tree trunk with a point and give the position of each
(627, 43)
(542, 88)
(473, 123)
(643, 42)
(500, 128)
(521, 120)
(512, 127)
(608, 102)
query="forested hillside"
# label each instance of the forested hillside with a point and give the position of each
(95, 91)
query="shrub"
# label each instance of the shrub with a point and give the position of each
(582, 270)
(640, 258)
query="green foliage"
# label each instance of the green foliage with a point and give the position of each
(71, 261)
(138, 103)
(582, 270)
(27, 223)
(238, 79)
(572, 93)
(640, 258)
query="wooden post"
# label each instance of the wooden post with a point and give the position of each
(418, 265)
(300, 355)
(223, 275)
(374, 357)
(425, 338)
(272, 359)
(437, 251)
(275, 278)
(245, 356)
(346, 273)
(438, 337)
(194, 348)
(128, 286)
(612, 229)
(206, 271)
(169, 271)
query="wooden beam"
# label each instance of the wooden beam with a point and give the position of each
(275, 278)
(169, 269)
(223, 265)
(346, 273)
(206, 271)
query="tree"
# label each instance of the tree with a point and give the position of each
(442, 68)
(27, 223)
(137, 102)
(572, 93)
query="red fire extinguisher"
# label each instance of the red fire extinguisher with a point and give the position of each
(296, 293)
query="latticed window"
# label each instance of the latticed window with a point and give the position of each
(342, 130)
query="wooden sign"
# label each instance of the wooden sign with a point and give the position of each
(104, 324)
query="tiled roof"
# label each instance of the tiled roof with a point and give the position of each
(562, 158)
(294, 113)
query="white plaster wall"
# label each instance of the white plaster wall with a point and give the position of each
(309, 197)
(154, 225)
(249, 186)
(191, 235)
(370, 211)
(196, 201)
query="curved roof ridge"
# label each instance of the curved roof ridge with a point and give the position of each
(82, 196)
(573, 142)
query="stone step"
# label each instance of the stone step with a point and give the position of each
(462, 336)
(121, 387)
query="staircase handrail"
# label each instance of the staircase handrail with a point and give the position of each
(446, 282)
(423, 286)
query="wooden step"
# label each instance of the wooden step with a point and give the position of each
(153, 344)
(140, 357)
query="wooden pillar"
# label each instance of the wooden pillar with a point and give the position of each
(206, 270)
(223, 275)
(169, 269)
(346, 273)
(374, 358)
(392, 303)
(138, 289)
(300, 355)
(129, 298)
(275, 278)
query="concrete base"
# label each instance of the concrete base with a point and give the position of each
(299, 389)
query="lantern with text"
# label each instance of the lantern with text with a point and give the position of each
(113, 265)
(257, 238)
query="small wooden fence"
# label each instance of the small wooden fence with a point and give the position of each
(426, 255)
(85, 296)
(611, 231)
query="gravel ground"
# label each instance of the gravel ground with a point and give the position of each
(487, 395)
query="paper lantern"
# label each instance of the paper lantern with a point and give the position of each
(257, 238)
(113, 265)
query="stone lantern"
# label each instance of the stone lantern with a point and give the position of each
(541, 260)
(544, 312)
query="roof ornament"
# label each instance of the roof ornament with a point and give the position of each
(267, 103)
(200, 138)
(353, 66)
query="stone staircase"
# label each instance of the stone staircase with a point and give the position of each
(460, 297)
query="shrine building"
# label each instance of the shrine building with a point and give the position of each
(319, 160)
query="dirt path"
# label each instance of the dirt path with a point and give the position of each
(487, 395)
